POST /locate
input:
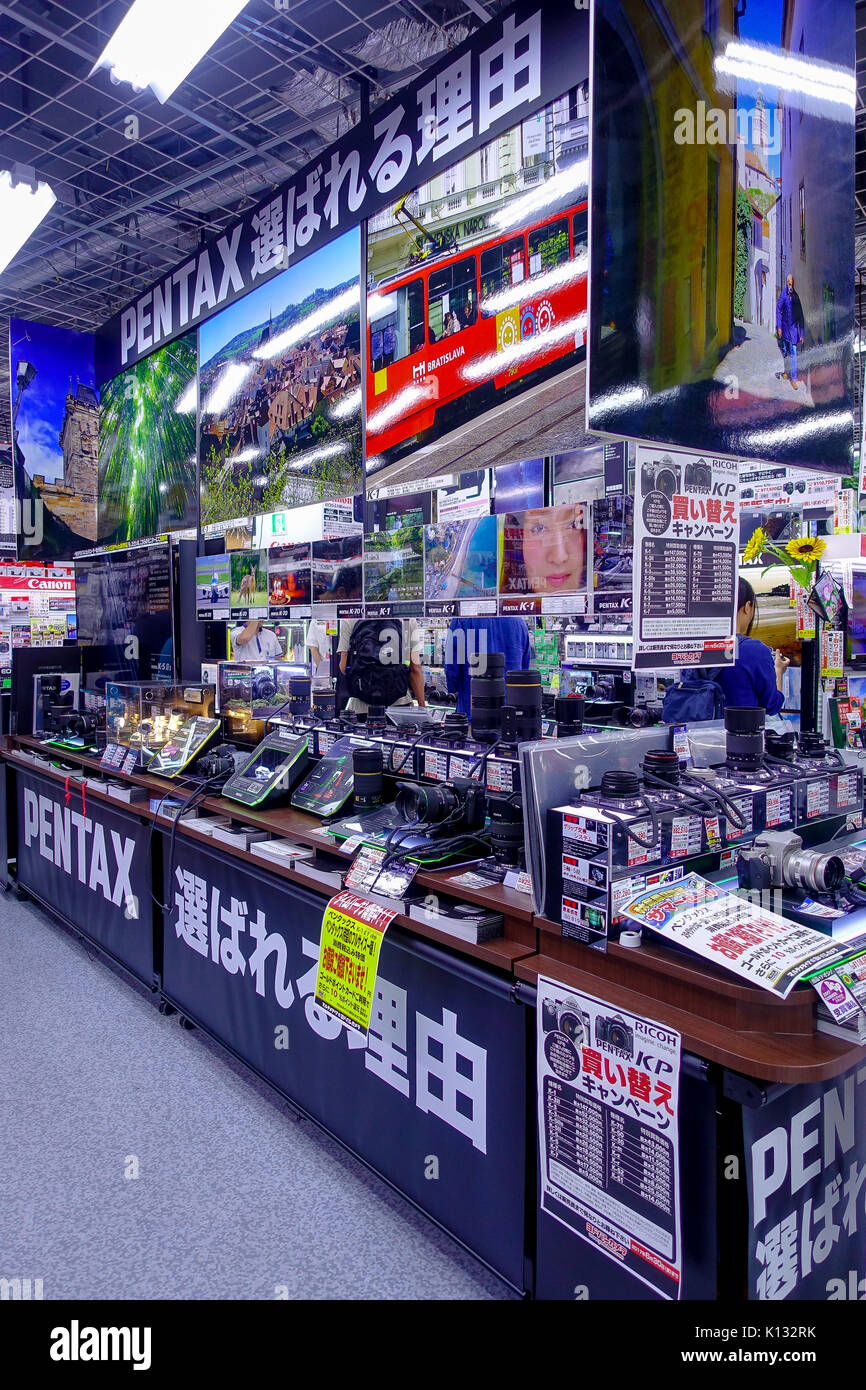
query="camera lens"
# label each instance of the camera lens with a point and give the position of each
(506, 829)
(487, 696)
(568, 711)
(428, 804)
(619, 1034)
(523, 693)
(812, 746)
(376, 717)
(484, 663)
(779, 746)
(455, 726)
(324, 703)
(618, 785)
(744, 737)
(367, 765)
(663, 765)
(819, 873)
(299, 694)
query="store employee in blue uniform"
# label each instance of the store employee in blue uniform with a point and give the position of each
(756, 676)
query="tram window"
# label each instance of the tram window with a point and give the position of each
(580, 232)
(452, 298)
(501, 267)
(396, 324)
(548, 246)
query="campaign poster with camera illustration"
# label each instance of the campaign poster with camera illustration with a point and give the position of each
(686, 534)
(608, 1125)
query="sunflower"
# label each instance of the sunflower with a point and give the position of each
(807, 549)
(756, 546)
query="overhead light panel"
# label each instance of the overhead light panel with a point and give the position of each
(23, 204)
(159, 42)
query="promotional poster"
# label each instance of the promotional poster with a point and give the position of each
(723, 228)
(280, 382)
(608, 1121)
(147, 446)
(55, 439)
(686, 536)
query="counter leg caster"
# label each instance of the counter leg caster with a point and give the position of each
(166, 1009)
(186, 1023)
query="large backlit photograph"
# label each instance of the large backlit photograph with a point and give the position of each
(281, 390)
(147, 446)
(476, 305)
(723, 228)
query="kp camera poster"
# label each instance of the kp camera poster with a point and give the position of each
(608, 1123)
(686, 533)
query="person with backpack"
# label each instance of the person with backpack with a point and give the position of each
(381, 661)
(756, 677)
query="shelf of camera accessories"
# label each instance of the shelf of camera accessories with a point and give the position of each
(737, 1025)
(519, 936)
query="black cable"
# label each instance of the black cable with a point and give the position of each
(626, 826)
(733, 811)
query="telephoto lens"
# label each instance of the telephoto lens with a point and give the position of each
(299, 694)
(568, 712)
(523, 693)
(505, 829)
(744, 738)
(324, 703)
(486, 663)
(487, 696)
(367, 764)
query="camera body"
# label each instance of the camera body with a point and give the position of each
(566, 1016)
(458, 807)
(615, 1032)
(778, 859)
(699, 476)
(661, 475)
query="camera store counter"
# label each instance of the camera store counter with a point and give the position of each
(434, 1099)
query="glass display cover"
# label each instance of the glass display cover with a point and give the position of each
(184, 744)
(145, 716)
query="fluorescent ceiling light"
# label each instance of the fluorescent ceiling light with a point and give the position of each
(21, 210)
(329, 312)
(159, 42)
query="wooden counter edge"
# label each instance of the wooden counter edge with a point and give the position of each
(789, 1059)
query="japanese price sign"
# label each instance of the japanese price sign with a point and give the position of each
(608, 1100)
(760, 946)
(686, 538)
(352, 933)
(806, 1173)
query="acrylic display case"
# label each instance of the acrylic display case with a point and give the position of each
(251, 694)
(147, 717)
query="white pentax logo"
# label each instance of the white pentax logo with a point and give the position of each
(76, 1343)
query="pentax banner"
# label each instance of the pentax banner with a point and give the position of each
(686, 538)
(806, 1171)
(497, 78)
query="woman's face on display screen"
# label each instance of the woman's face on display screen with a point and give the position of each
(554, 550)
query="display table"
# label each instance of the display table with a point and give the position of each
(440, 1099)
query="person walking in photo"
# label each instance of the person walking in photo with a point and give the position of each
(790, 328)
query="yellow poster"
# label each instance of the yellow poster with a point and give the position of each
(353, 929)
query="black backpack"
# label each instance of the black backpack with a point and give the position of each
(376, 673)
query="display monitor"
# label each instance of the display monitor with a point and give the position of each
(289, 577)
(394, 565)
(212, 585)
(543, 552)
(857, 619)
(124, 605)
(460, 559)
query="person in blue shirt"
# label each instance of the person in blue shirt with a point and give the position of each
(469, 639)
(755, 679)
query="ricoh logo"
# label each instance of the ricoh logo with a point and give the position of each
(21, 1290)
